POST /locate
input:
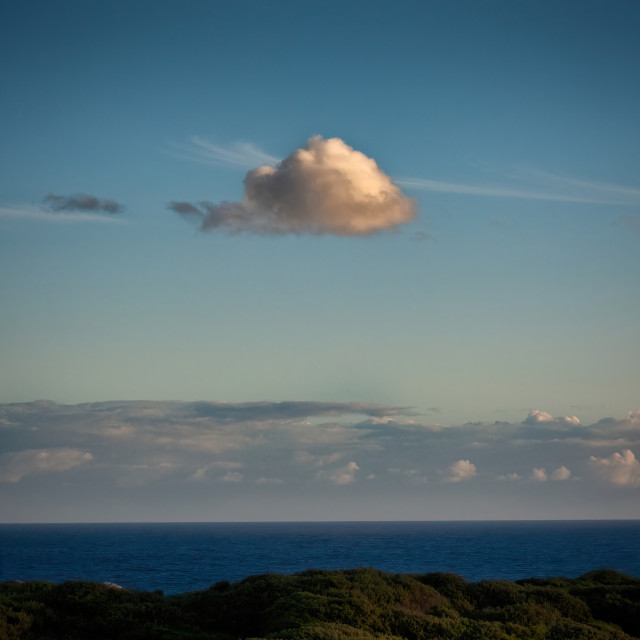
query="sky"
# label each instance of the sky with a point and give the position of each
(319, 261)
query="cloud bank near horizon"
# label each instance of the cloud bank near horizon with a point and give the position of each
(295, 460)
(338, 443)
(326, 188)
(14, 466)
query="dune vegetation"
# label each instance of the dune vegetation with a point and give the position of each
(358, 604)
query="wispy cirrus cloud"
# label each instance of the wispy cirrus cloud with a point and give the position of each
(241, 155)
(29, 212)
(622, 194)
(566, 190)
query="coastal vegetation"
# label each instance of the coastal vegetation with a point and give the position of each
(358, 604)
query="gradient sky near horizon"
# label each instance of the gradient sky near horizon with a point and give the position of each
(486, 272)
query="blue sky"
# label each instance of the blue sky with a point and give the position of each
(506, 137)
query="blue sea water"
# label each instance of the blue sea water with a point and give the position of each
(179, 557)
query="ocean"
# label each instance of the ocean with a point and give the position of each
(179, 557)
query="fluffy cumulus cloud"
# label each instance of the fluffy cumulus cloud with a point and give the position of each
(560, 474)
(542, 417)
(82, 202)
(539, 475)
(622, 469)
(461, 470)
(326, 188)
(346, 474)
(633, 419)
(16, 466)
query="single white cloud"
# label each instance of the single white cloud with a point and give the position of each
(562, 473)
(17, 465)
(622, 469)
(539, 475)
(346, 474)
(326, 188)
(461, 470)
(537, 417)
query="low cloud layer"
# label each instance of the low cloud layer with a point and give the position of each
(82, 202)
(16, 466)
(325, 188)
(289, 410)
(204, 453)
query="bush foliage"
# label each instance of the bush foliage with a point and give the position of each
(359, 604)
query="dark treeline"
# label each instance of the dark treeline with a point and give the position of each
(359, 604)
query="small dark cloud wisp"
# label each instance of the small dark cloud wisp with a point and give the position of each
(82, 202)
(290, 410)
